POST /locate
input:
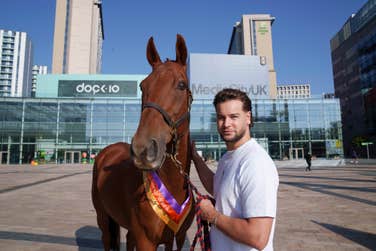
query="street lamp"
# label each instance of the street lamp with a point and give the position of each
(366, 144)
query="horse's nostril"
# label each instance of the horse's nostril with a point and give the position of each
(132, 151)
(152, 150)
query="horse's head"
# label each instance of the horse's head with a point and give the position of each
(166, 100)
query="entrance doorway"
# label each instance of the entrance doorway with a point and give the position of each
(3, 157)
(296, 153)
(72, 157)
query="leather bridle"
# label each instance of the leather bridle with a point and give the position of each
(174, 125)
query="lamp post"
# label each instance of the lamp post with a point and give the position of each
(367, 144)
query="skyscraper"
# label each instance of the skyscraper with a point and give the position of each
(293, 91)
(37, 70)
(353, 50)
(253, 36)
(16, 55)
(78, 37)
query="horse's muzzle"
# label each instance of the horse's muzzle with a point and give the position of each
(149, 156)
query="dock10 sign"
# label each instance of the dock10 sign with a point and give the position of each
(97, 88)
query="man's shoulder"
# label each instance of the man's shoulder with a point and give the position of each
(257, 152)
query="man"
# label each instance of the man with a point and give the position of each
(308, 158)
(245, 184)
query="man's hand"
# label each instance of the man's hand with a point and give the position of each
(208, 211)
(253, 232)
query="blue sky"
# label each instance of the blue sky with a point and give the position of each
(301, 31)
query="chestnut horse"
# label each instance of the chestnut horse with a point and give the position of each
(160, 144)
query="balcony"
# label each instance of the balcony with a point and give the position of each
(6, 65)
(4, 85)
(8, 52)
(5, 77)
(7, 40)
(5, 71)
(9, 59)
(7, 46)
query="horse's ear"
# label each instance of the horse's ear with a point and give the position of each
(152, 53)
(181, 50)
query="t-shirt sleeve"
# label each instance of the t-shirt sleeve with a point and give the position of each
(258, 189)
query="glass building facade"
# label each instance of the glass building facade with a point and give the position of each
(353, 51)
(74, 130)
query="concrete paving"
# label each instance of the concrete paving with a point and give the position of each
(48, 207)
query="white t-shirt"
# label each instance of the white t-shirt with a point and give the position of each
(245, 186)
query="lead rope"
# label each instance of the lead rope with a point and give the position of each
(202, 226)
(202, 233)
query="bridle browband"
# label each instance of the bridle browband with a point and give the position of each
(172, 124)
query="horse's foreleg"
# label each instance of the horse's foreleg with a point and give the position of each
(103, 223)
(131, 242)
(143, 244)
(179, 242)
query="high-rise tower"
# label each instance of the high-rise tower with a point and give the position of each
(253, 36)
(16, 56)
(78, 37)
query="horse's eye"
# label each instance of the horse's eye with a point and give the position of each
(182, 85)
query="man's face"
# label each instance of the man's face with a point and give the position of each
(232, 121)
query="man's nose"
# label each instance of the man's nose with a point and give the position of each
(226, 122)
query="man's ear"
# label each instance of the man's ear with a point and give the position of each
(249, 116)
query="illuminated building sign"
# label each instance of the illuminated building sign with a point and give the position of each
(97, 88)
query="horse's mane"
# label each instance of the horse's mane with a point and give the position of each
(169, 60)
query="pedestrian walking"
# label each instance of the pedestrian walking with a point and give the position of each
(308, 158)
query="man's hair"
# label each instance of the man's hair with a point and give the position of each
(234, 94)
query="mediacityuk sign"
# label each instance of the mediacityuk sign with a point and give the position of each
(210, 73)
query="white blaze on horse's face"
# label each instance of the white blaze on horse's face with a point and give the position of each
(165, 104)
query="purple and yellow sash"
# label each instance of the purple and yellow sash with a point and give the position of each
(164, 204)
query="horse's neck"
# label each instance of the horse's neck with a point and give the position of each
(184, 153)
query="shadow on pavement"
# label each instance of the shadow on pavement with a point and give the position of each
(87, 238)
(365, 239)
(325, 189)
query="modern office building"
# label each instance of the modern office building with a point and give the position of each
(253, 36)
(74, 116)
(292, 91)
(16, 57)
(353, 51)
(37, 70)
(59, 130)
(78, 37)
(78, 115)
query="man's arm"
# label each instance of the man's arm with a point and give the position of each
(204, 172)
(253, 232)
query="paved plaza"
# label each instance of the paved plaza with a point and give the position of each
(49, 207)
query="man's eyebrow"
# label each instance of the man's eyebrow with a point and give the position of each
(231, 114)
